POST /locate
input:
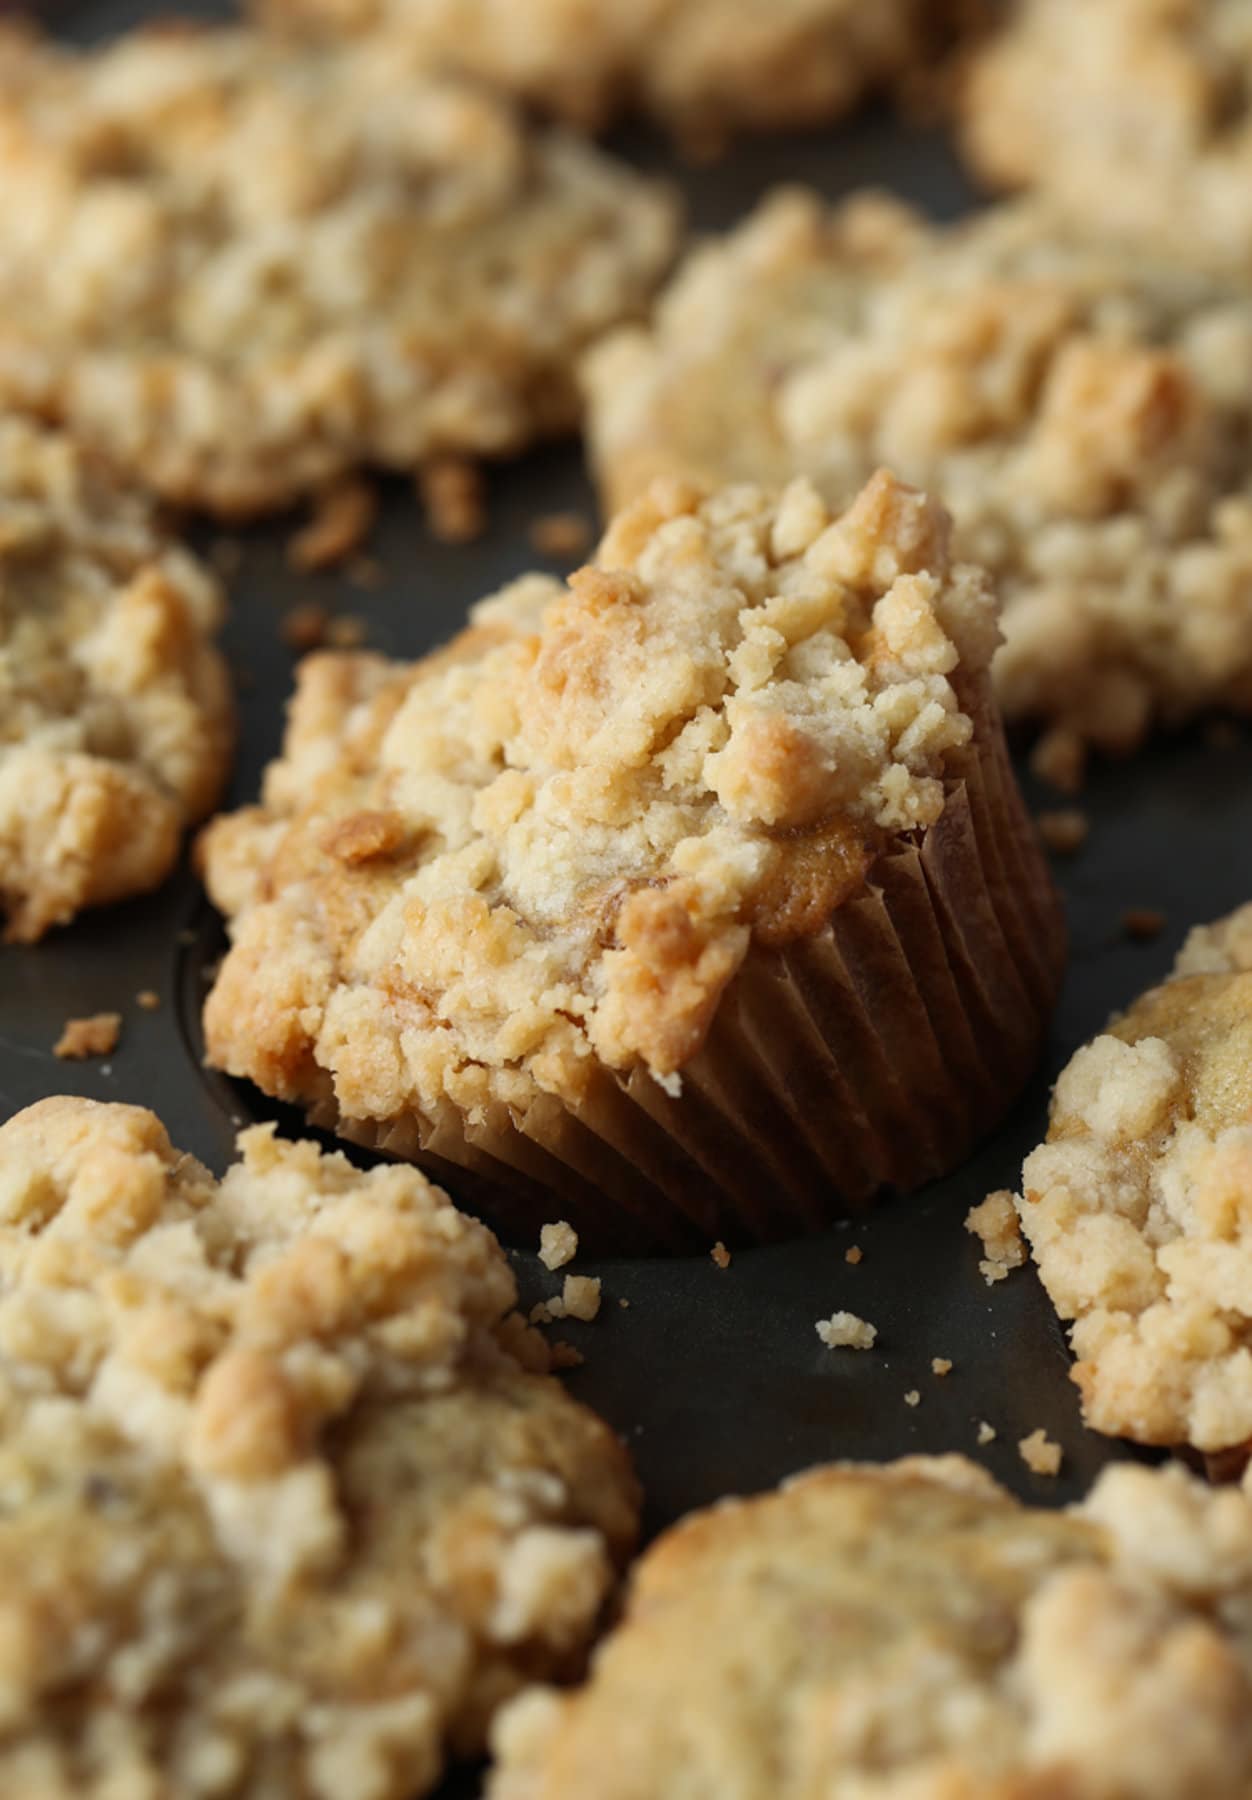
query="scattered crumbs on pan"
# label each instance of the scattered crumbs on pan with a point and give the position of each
(97, 1035)
(623, 1301)
(986, 1433)
(1058, 759)
(562, 536)
(844, 1331)
(454, 499)
(345, 631)
(941, 1365)
(1040, 1455)
(543, 1312)
(1142, 923)
(580, 1297)
(995, 1221)
(913, 1397)
(1064, 829)
(343, 517)
(720, 1255)
(566, 1356)
(853, 1254)
(558, 1244)
(304, 627)
(148, 1000)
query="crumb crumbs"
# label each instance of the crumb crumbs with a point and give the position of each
(986, 1433)
(1142, 923)
(623, 1302)
(853, 1254)
(345, 631)
(1059, 759)
(452, 494)
(343, 516)
(97, 1035)
(941, 1365)
(566, 1356)
(913, 1398)
(558, 1244)
(844, 1331)
(1040, 1455)
(560, 535)
(995, 1221)
(147, 1000)
(1064, 829)
(580, 1297)
(720, 1255)
(304, 627)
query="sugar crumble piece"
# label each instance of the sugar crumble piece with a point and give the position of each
(853, 1254)
(1040, 1455)
(1060, 759)
(304, 627)
(543, 1312)
(995, 1221)
(986, 1433)
(1064, 829)
(623, 1301)
(558, 1244)
(454, 499)
(561, 536)
(1142, 923)
(97, 1035)
(345, 631)
(580, 1297)
(343, 516)
(940, 1365)
(844, 1331)
(720, 1255)
(148, 1000)
(913, 1397)
(564, 1355)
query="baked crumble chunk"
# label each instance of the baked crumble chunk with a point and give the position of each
(286, 1506)
(241, 268)
(547, 848)
(1138, 1207)
(1082, 409)
(705, 67)
(1131, 116)
(912, 1632)
(115, 716)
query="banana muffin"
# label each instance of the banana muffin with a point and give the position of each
(693, 897)
(287, 1506)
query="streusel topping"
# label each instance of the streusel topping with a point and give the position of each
(1138, 1207)
(240, 267)
(1083, 411)
(554, 840)
(911, 1632)
(115, 722)
(283, 1504)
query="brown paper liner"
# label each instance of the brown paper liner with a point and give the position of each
(871, 1055)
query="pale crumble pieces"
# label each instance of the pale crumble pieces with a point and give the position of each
(1040, 1455)
(558, 1244)
(940, 1365)
(1064, 830)
(845, 1331)
(853, 1254)
(720, 1255)
(994, 1221)
(986, 1433)
(913, 1397)
(96, 1035)
(343, 516)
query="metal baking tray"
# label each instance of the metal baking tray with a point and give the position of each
(715, 1377)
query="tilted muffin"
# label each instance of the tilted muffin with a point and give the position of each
(697, 892)
(1083, 411)
(1138, 1207)
(241, 267)
(287, 1508)
(1132, 116)
(911, 1632)
(115, 713)
(705, 67)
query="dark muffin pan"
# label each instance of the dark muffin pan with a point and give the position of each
(715, 1377)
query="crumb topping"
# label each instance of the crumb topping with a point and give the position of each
(1040, 1455)
(242, 267)
(1081, 409)
(115, 724)
(558, 1244)
(995, 1223)
(845, 1331)
(96, 1035)
(594, 798)
(1137, 1205)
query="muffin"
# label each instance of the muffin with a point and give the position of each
(911, 1632)
(693, 899)
(1132, 116)
(115, 714)
(1137, 1206)
(1083, 410)
(241, 268)
(289, 1508)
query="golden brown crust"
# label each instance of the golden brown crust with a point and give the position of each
(115, 714)
(294, 1510)
(1081, 408)
(242, 268)
(911, 1632)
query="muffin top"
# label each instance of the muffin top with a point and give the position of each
(551, 843)
(911, 1632)
(1134, 116)
(1082, 409)
(1137, 1207)
(284, 1504)
(240, 267)
(115, 722)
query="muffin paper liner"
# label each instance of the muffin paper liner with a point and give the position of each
(873, 1054)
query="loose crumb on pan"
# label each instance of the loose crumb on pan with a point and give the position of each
(147, 1000)
(1064, 829)
(995, 1221)
(97, 1035)
(1143, 923)
(558, 1244)
(913, 1397)
(562, 536)
(1059, 759)
(304, 627)
(720, 1255)
(580, 1297)
(844, 1331)
(853, 1254)
(986, 1433)
(343, 516)
(454, 499)
(563, 1355)
(941, 1365)
(345, 631)
(1040, 1455)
